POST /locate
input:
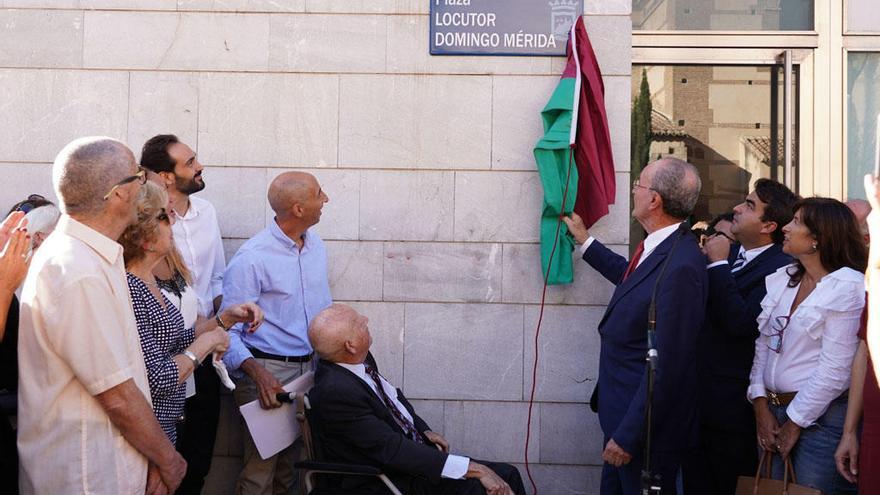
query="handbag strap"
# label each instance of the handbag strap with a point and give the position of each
(766, 462)
(789, 468)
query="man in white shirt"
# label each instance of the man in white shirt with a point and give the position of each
(361, 418)
(86, 424)
(197, 237)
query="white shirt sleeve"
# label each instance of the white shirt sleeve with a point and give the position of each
(756, 377)
(456, 467)
(831, 378)
(586, 244)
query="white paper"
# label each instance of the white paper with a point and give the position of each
(273, 430)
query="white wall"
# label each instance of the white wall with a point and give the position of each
(432, 224)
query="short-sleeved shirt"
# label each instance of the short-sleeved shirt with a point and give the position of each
(77, 339)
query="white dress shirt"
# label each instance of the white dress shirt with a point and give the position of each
(78, 338)
(456, 466)
(197, 236)
(818, 344)
(650, 243)
(748, 255)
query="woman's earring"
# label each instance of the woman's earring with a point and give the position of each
(815, 247)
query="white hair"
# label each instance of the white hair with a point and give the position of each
(42, 219)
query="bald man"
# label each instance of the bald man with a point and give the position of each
(85, 422)
(362, 418)
(284, 270)
(861, 209)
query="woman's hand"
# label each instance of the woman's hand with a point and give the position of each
(218, 339)
(247, 312)
(768, 428)
(847, 456)
(787, 438)
(14, 261)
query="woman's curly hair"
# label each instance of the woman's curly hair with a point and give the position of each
(150, 203)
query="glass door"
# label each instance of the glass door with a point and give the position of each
(727, 120)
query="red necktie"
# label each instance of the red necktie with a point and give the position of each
(634, 261)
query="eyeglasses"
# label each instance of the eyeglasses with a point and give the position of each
(777, 329)
(637, 185)
(140, 176)
(29, 205)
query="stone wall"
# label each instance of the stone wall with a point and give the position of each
(432, 224)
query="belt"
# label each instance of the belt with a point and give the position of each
(780, 400)
(287, 359)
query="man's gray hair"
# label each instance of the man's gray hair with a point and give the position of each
(678, 183)
(85, 170)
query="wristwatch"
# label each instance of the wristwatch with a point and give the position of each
(192, 356)
(220, 322)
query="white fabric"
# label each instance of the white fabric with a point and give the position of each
(188, 305)
(77, 339)
(818, 345)
(197, 236)
(456, 466)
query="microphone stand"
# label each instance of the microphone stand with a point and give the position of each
(650, 480)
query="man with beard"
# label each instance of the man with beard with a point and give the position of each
(197, 237)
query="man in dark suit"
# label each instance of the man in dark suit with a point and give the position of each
(728, 440)
(670, 260)
(361, 418)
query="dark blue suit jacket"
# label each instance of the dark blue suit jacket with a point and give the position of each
(681, 305)
(728, 340)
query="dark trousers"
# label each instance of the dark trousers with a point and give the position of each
(627, 479)
(195, 440)
(471, 486)
(8, 458)
(723, 456)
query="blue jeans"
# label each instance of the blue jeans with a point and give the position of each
(813, 454)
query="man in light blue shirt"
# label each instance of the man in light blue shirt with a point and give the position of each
(284, 270)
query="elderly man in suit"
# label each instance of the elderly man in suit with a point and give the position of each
(728, 440)
(669, 268)
(361, 418)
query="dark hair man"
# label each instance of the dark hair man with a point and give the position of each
(728, 446)
(197, 237)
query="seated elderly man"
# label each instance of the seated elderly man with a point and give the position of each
(361, 418)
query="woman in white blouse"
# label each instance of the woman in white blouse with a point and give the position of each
(808, 337)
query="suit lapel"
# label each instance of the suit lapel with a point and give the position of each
(644, 269)
(767, 253)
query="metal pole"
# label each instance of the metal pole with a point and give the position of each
(788, 121)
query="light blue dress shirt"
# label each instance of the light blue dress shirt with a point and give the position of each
(289, 284)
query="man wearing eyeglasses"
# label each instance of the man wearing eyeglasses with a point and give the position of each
(197, 237)
(86, 424)
(728, 442)
(669, 259)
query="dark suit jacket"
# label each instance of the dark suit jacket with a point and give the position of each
(728, 342)
(353, 425)
(681, 304)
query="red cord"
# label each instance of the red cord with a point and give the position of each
(541, 317)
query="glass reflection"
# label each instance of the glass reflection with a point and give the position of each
(723, 15)
(862, 107)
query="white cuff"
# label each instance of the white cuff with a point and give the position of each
(586, 245)
(756, 391)
(716, 263)
(456, 467)
(796, 417)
